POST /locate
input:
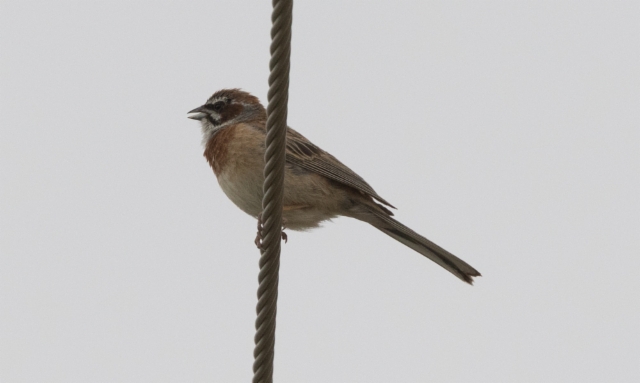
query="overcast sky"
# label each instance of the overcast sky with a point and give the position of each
(505, 131)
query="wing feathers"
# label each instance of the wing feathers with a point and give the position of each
(303, 153)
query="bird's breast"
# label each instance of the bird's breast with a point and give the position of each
(236, 155)
(217, 149)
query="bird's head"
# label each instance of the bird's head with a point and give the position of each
(227, 107)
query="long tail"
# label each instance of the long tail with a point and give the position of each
(410, 238)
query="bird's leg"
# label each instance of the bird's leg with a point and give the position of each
(284, 220)
(284, 226)
(258, 240)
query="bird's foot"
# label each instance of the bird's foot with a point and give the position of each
(284, 226)
(258, 240)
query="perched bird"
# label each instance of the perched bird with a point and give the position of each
(317, 186)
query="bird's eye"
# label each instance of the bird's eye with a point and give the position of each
(218, 106)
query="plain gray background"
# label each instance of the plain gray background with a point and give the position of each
(507, 132)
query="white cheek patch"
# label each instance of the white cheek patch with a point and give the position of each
(209, 129)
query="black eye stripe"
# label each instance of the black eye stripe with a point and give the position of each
(217, 106)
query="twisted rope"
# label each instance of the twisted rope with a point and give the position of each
(273, 191)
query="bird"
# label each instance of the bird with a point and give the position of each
(317, 187)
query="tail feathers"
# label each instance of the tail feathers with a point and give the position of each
(410, 238)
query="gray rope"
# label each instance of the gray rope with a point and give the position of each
(273, 191)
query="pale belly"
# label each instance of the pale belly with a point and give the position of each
(244, 190)
(303, 207)
(308, 198)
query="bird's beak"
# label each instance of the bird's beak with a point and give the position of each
(197, 113)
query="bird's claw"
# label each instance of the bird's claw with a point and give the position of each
(258, 240)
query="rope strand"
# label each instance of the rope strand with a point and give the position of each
(278, 97)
